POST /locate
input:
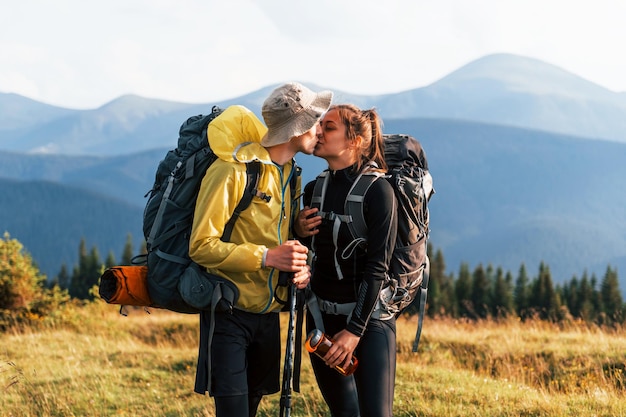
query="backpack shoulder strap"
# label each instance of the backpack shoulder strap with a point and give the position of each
(354, 203)
(317, 199)
(253, 171)
(293, 182)
(293, 185)
(319, 190)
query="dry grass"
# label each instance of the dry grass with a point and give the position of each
(94, 362)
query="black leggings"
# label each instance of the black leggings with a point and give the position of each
(369, 391)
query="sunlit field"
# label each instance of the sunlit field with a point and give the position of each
(92, 361)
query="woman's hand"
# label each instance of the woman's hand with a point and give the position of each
(343, 348)
(307, 223)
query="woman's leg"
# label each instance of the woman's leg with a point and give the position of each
(338, 391)
(376, 373)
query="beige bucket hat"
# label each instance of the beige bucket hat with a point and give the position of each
(291, 110)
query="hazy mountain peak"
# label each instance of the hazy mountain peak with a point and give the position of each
(519, 73)
(129, 102)
(17, 111)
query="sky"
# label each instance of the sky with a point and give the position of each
(82, 54)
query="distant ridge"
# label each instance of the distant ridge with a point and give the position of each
(51, 219)
(501, 89)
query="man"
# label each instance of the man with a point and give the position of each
(245, 351)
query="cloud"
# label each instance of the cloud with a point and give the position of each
(83, 54)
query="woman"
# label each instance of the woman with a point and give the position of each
(347, 277)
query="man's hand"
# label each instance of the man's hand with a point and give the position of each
(291, 256)
(301, 278)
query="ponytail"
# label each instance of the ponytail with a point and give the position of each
(376, 150)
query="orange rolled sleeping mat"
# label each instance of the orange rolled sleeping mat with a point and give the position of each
(125, 285)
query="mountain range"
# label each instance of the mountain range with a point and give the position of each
(527, 159)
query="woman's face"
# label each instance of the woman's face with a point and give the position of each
(332, 143)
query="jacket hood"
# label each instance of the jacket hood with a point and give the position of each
(235, 136)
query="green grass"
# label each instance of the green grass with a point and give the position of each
(93, 362)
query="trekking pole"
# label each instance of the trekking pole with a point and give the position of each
(285, 395)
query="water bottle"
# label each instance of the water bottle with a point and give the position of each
(317, 342)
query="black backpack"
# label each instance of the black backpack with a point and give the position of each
(413, 187)
(174, 281)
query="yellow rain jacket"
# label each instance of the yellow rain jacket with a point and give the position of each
(263, 225)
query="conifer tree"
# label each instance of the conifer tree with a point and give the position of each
(110, 261)
(508, 280)
(463, 292)
(447, 297)
(437, 276)
(570, 296)
(78, 286)
(83, 256)
(544, 298)
(87, 273)
(612, 301)
(596, 298)
(585, 299)
(96, 268)
(481, 292)
(144, 248)
(95, 263)
(521, 293)
(63, 278)
(127, 255)
(502, 299)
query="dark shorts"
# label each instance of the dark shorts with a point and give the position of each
(245, 356)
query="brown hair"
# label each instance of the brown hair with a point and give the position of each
(368, 125)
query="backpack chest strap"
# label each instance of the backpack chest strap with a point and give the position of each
(332, 216)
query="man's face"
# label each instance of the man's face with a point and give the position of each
(307, 141)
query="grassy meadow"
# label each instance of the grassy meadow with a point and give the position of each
(91, 361)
